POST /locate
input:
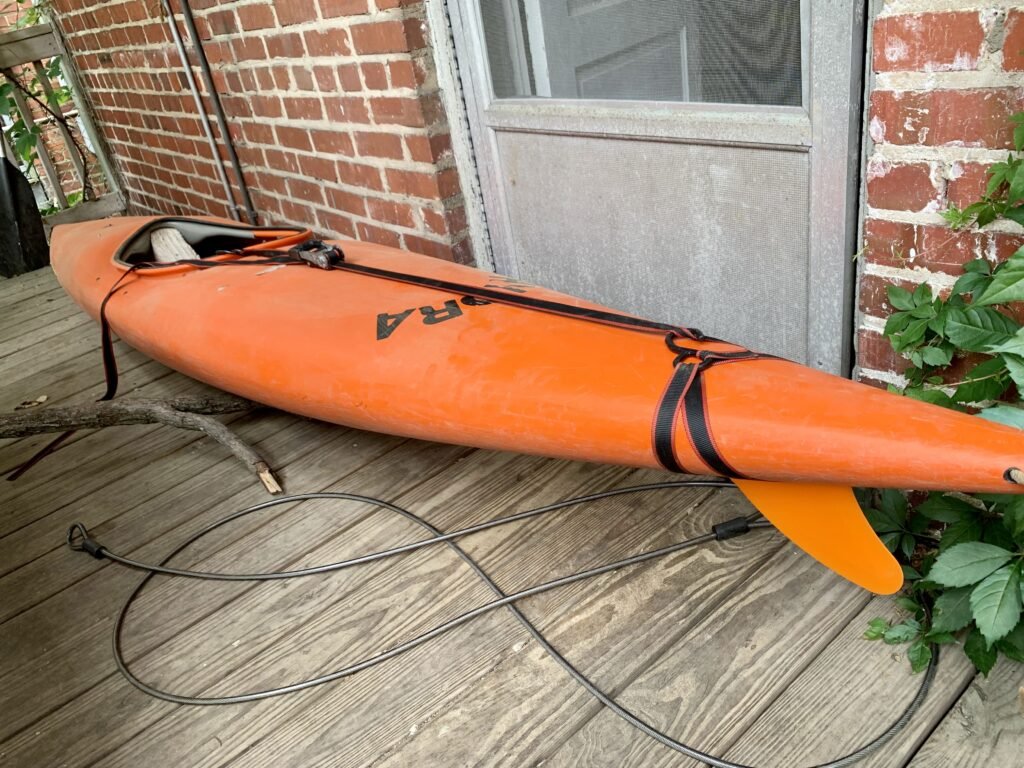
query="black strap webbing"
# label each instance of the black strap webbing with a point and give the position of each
(665, 417)
(696, 414)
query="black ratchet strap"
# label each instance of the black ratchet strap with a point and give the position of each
(686, 392)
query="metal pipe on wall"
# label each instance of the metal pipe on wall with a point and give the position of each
(218, 109)
(201, 110)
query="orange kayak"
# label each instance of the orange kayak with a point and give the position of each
(396, 342)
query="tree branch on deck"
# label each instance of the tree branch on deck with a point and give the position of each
(183, 412)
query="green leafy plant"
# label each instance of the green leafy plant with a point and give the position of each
(963, 555)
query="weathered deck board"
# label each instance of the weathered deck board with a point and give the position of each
(744, 647)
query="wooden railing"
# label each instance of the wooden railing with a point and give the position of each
(25, 52)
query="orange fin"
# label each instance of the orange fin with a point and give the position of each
(827, 523)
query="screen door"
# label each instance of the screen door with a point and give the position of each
(692, 161)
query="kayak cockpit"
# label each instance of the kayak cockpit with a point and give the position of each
(168, 240)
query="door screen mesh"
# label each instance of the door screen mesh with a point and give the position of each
(725, 51)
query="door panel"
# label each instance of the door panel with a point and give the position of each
(689, 160)
(687, 259)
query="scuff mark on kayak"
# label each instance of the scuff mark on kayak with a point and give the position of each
(271, 269)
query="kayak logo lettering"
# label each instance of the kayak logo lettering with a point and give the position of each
(387, 323)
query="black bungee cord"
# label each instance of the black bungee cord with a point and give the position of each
(78, 539)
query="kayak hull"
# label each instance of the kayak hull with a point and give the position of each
(420, 362)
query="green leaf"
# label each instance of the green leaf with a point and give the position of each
(984, 382)
(900, 298)
(911, 335)
(974, 329)
(996, 603)
(934, 396)
(891, 539)
(1013, 520)
(1013, 644)
(1015, 214)
(1004, 414)
(978, 651)
(940, 638)
(995, 533)
(883, 521)
(923, 294)
(876, 629)
(952, 610)
(910, 574)
(908, 604)
(937, 355)
(973, 283)
(1018, 138)
(968, 563)
(1015, 367)
(962, 531)
(945, 509)
(978, 267)
(1006, 286)
(920, 655)
(1016, 190)
(903, 632)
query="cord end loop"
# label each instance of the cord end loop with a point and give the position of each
(80, 541)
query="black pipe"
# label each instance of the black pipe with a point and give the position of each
(218, 109)
(204, 119)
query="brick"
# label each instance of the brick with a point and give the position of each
(901, 187)
(974, 117)
(378, 235)
(248, 48)
(379, 145)
(307, 191)
(341, 200)
(220, 23)
(398, 111)
(256, 17)
(347, 109)
(928, 42)
(967, 183)
(390, 212)
(294, 138)
(333, 224)
(348, 76)
(317, 167)
(303, 108)
(336, 142)
(427, 247)
(413, 183)
(286, 45)
(375, 75)
(434, 221)
(326, 42)
(333, 8)
(403, 75)
(302, 78)
(380, 37)
(357, 175)
(873, 298)
(935, 248)
(1013, 42)
(295, 11)
(876, 353)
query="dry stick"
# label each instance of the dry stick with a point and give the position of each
(182, 412)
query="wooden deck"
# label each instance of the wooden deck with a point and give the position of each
(747, 648)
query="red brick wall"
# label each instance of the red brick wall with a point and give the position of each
(332, 104)
(947, 75)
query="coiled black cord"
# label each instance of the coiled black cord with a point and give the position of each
(79, 540)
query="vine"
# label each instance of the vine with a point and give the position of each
(962, 555)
